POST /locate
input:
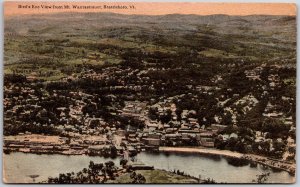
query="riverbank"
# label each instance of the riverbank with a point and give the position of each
(276, 164)
(206, 151)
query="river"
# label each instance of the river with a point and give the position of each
(18, 166)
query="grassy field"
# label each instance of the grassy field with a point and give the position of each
(157, 177)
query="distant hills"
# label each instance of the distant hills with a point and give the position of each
(222, 23)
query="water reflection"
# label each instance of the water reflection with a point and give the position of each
(18, 166)
(216, 167)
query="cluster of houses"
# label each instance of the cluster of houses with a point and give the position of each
(174, 133)
(186, 131)
(254, 74)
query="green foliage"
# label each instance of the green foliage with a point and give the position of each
(94, 174)
(137, 178)
(262, 178)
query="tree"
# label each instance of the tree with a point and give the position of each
(178, 113)
(153, 113)
(227, 119)
(137, 178)
(123, 162)
(208, 181)
(276, 127)
(166, 117)
(262, 178)
(93, 174)
(113, 151)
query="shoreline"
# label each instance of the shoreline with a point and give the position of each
(276, 164)
(205, 151)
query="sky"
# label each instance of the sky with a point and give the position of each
(148, 8)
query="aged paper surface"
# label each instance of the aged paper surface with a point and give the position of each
(149, 92)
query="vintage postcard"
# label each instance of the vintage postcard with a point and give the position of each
(149, 93)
